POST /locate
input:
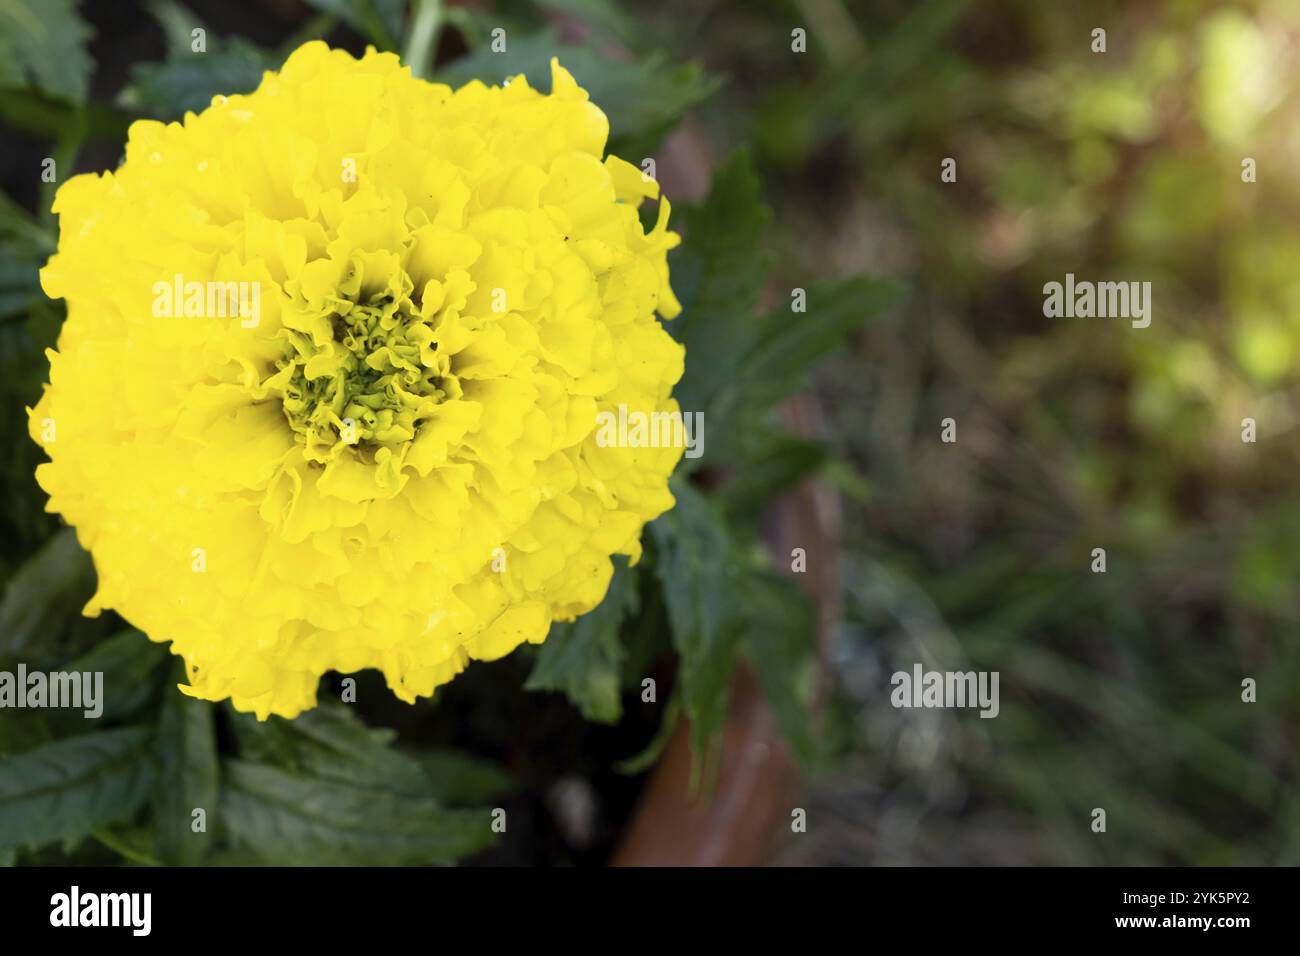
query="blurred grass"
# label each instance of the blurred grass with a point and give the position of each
(1120, 690)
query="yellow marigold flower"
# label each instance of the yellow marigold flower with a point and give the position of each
(328, 390)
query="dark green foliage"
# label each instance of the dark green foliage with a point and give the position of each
(186, 82)
(186, 749)
(289, 819)
(697, 566)
(642, 97)
(67, 789)
(584, 659)
(43, 45)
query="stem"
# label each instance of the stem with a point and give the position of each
(423, 37)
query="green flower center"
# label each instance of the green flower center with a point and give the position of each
(369, 386)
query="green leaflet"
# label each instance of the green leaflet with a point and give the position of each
(459, 779)
(186, 81)
(288, 819)
(67, 789)
(788, 343)
(43, 598)
(696, 565)
(717, 275)
(326, 789)
(643, 98)
(187, 779)
(332, 743)
(740, 365)
(130, 663)
(43, 44)
(584, 659)
(780, 462)
(780, 640)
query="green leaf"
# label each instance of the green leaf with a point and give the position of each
(133, 844)
(68, 789)
(780, 640)
(461, 779)
(264, 741)
(379, 21)
(301, 820)
(695, 562)
(718, 274)
(187, 780)
(332, 743)
(781, 462)
(129, 662)
(178, 21)
(43, 44)
(186, 81)
(643, 98)
(738, 365)
(583, 659)
(24, 729)
(646, 636)
(43, 596)
(790, 342)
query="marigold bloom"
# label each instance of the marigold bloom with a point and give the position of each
(391, 462)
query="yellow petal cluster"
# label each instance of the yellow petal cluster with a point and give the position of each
(387, 456)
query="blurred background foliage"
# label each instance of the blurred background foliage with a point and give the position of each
(1119, 690)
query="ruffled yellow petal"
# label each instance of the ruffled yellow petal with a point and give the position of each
(334, 359)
